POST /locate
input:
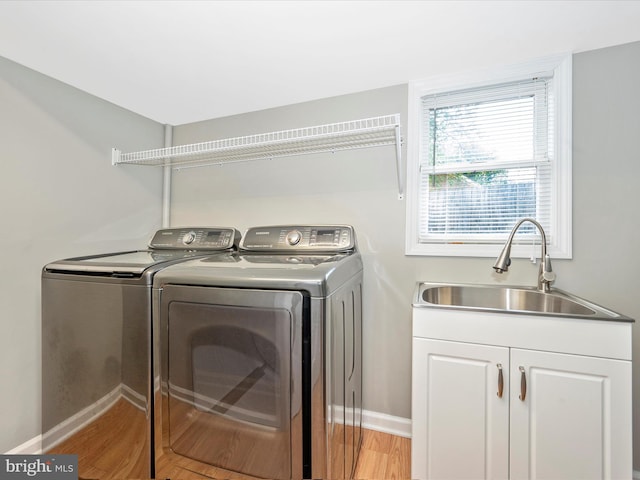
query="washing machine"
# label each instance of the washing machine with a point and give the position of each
(96, 351)
(259, 357)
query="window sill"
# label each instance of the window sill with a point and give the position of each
(483, 251)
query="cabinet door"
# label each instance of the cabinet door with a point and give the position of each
(575, 419)
(460, 424)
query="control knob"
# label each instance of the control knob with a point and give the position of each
(188, 238)
(294, 237)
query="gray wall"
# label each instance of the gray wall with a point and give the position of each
(606, 189)
(360, 188)
(59, 197)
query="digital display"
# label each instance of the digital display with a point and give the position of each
(325, 236)
(213, 236)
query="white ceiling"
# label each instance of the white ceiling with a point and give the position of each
(178, 62)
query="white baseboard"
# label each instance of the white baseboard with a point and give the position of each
(71, 425)
(382, 422)
(30, 447)
(78, 421)
(371, 420)
(134, 398)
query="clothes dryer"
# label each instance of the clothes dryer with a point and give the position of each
(96, 351)
(259, 357)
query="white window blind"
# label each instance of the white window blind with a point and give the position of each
(485, 162)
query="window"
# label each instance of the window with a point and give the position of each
(485, 151)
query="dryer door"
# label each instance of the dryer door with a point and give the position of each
(232, 368)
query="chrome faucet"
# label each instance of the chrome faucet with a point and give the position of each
(545, 275)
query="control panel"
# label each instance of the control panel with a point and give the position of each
(196, 238)
(299, 238)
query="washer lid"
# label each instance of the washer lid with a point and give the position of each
(167, 245)
(126, 263)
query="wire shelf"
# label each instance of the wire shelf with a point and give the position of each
(364, 133)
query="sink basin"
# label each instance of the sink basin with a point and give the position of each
(511, 300)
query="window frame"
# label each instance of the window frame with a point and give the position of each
(561, 188)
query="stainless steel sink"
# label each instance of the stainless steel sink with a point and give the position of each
(510, 300)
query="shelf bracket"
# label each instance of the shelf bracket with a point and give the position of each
(115, 156)
(399, 164)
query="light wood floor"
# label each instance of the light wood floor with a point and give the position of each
(109, 449)
(384, 457)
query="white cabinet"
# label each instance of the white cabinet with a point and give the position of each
(575, 420)
(505, 410)
(460, 425)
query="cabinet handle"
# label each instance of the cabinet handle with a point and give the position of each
(500, 380)
(523, 384)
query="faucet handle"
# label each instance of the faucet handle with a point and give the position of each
(548, 276)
